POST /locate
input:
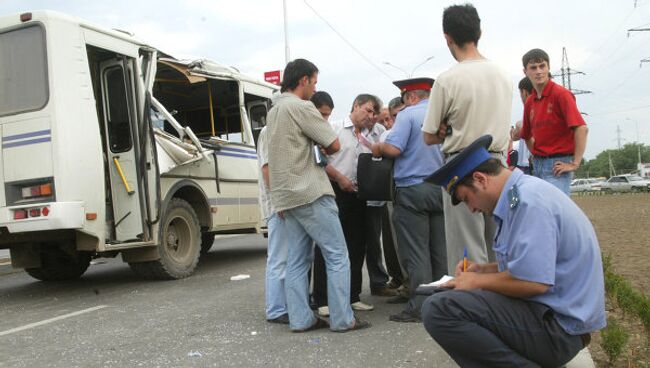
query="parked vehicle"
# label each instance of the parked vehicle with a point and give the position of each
(626, 183)
(585, 185)
(107, 148)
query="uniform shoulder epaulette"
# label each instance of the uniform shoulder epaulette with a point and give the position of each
(513, 196)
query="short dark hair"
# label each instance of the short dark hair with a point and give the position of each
(525, 85)
(536, 56)
(321, 98)
(294, 71)
(491, 167)
(365, 98)
(462, 24)
(395, 102)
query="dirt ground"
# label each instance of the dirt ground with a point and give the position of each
(622, 223)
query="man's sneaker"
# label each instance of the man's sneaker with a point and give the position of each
(361, 306)
(323, 311)
(283, 319)
(405, 317)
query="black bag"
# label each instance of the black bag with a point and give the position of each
(375, 178)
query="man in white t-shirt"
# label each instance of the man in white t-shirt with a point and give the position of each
(523, 164)
(471, 99)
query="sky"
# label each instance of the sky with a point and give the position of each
(351, 42)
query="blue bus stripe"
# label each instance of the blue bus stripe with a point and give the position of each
(26, 135)
(26, 143)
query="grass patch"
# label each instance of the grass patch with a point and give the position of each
(614, 340)
(631, 301)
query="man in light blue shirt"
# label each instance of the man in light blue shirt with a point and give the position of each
(418, 215)
(538, 303)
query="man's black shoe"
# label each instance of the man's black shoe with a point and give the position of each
(283, 319)
(404, 317)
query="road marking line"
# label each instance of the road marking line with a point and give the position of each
(46, 321)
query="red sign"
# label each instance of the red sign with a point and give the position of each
(272, 77)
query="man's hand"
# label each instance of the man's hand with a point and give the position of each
(437, 137)
(560, 167)
(376, 150)
(346, 184)
(471, 267)
(464, 281)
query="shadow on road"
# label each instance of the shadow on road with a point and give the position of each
(106, 274)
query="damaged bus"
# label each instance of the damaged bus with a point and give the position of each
(108, 146)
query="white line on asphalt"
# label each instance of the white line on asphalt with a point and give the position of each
(46, 321)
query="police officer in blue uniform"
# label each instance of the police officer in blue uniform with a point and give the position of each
(418, 214)
(538, 303)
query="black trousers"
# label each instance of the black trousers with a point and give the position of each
(389, 244)
(374, 262)
(352, 212)
(479, 328)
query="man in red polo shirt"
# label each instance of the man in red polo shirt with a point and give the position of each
(553, 128)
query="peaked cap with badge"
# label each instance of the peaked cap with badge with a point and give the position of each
(463, 164)
(413, 84)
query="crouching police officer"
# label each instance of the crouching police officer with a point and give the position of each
(538, 303)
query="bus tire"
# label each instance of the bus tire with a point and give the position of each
(180, 244)
(58, 265)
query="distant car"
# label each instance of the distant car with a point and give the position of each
(585, 185)
(626, 183)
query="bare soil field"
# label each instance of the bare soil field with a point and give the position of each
(622, 223)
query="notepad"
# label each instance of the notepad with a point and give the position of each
(443, 280)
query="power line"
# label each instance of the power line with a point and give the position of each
(364, 57)
(620, 111)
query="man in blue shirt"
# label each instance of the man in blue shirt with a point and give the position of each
(418, 216)
(538, 303)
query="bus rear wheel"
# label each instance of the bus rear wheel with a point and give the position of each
(59, 265)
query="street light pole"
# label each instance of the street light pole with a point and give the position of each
(408, 75)
(419, 65)
(286, 37)
(396, 67)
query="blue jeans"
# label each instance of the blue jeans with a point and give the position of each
(276, 264)
(543, 169)
(317, 221)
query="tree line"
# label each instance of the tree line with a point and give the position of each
(623, 160)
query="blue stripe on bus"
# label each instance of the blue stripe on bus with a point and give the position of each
(254, 157)
(238, 150)
(26, 143)
(26, 135)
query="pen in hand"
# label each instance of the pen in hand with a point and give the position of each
(465, 260)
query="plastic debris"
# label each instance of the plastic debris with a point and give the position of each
(315, 340)
(239, 277)
(253, 333)
(194, 354)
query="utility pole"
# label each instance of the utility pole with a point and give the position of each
(612, 171)
(566, 72)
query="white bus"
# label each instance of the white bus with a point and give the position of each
(108, 147)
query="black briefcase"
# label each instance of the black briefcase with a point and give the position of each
(375, 178)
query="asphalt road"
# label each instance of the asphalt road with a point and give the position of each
(111, 318)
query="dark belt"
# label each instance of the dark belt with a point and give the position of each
(555, 155)
(586, 339)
